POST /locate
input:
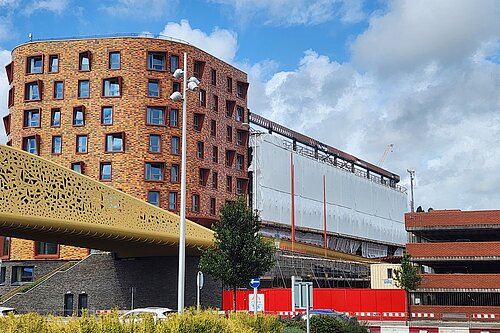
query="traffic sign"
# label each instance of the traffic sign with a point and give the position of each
(255, 283)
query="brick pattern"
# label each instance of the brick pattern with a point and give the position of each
(22, 249)
(452, 218)
(439, 310)
(454, 249)
(460, 281)
(129, 117)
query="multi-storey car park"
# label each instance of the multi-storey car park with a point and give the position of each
(101, 106)
(459, 252)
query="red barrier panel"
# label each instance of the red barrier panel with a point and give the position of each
(366, 302)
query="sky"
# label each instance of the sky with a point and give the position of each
(423, 75)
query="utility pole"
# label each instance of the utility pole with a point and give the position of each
(412, 178)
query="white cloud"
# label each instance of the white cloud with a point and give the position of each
(55, 6)
(295, 12)
(139, 9)
(221, 43)
(4, 91)
(412, 33)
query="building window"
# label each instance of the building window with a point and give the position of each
(4, 246)
(154, 143)
(241, 89)
(7, 120)
(154, 198)
(34, 65)
(213, 76)
(230, 105)
(203, 98)
(11, 97)
(215, 103)
(55, 117)
(3, 271)
(115, 142)
(215, 154)
(84, 61)
(229, 85)
(83, 89)
(195, 200)
(77, 167)
(114, 60)
(56, 145)
(229, 134)
(176, 143)
(46, 249)
(156, 61)
(197, 122)
(33, 91)
(174, 116)
(155, 115)
(31, 144)
(229, 158)
(154, 171)
(32, 118)
(240, 186)
(197, 69)
(239, 161)
(172, 200)
(78, 116)
(22, 274)
(174, 63)
(389, 273)
(213, 127)
(112, 87)
(240, 113)
(212, 206)
(81, 143)
(9, 70)
(153, 88)
(105, 171)
(200, 147)
(215, 180)
(174, 173)
(176, 86)
(240, 138)
(229, 183)
(58, 89)
(53, 63)
(107, 115)
(203, 176)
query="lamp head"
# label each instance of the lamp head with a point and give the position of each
(176, 96)
(192, 86)
(194, 79)
(178, 73)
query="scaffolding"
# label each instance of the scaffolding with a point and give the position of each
(323, 272)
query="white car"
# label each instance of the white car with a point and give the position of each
(5, 311)
(135, 315)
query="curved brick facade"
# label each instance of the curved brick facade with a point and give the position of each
(216, 125)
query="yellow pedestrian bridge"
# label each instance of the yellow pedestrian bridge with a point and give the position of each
(41, 200)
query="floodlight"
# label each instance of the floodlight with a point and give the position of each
(192, 86)
(176, 96)
(178, 73)
(194, 79)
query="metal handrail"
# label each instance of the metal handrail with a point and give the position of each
(115, 35)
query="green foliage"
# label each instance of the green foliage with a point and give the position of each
(407, 277)
(239, 253)
(191, 322)
(325, 324)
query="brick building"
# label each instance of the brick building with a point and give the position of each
(459, 252)
(101, 106)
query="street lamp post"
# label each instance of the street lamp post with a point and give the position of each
(412, 177)
(191, 84)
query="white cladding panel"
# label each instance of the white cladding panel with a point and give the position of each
(356, 206)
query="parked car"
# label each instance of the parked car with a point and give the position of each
(136, 314)
(327, 312)
(5, 311)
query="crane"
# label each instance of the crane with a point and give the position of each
(386, 152)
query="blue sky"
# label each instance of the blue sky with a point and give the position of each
(423, 75)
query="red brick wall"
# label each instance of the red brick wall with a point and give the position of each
(455, 309)
(460, 281)
(129, 116)
(452, 218)
(454, 249)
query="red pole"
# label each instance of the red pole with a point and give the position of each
(324, 215)
(293, 199)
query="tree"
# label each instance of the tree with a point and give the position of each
(239, 252)
(407, 278)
